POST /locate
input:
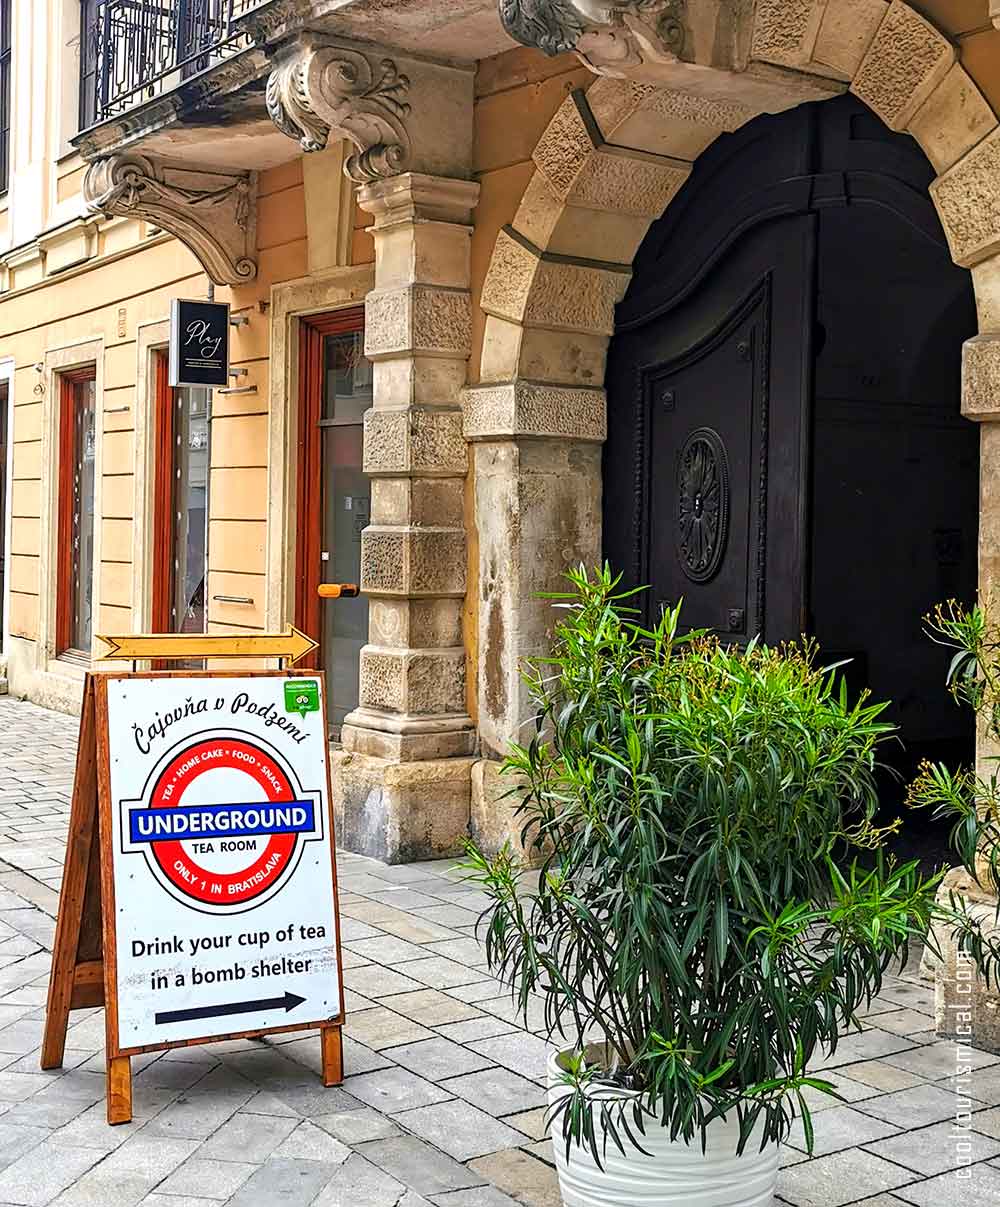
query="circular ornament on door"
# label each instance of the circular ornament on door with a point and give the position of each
(702, 504)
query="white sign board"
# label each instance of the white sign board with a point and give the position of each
(223, 868)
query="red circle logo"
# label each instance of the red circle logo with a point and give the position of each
(259, 863)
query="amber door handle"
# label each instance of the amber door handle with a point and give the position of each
(338, 591)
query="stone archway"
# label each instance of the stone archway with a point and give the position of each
(610, 161)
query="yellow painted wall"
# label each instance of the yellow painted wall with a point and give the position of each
(128, 283)
(100, 302)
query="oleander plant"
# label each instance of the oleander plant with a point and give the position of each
(707, 892)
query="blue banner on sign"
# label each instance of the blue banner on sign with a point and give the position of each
(221, 821)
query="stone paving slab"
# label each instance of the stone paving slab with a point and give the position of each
(443, 1100)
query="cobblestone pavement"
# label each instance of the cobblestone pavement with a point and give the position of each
(443, 1100)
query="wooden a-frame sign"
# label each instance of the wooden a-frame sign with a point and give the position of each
(114, 843)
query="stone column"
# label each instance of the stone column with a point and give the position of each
(403, 780)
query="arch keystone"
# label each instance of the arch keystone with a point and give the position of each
(847, 30)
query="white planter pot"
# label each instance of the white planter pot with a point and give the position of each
(674, 1174)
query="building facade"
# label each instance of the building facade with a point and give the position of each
(684, 284)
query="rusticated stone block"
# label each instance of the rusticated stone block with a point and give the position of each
(967, 197)
(846, 32)
(575, 297)
(415, 623)
(628, 182)
(566, 144)
(582, 169)
(953, 119)
(510, 276)
(383, 559)
(418, 502)
(530, 409)
(721, 114)
(382, 681)
(414, 441)
(906, 61)
(426, 320)
(785, 31)
(415, 682)
(436, 563)
(524, 286)
(412, 561)
(612, 101)
(981, 377)
(401, 812)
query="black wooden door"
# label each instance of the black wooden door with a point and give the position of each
(800, 266)
(714, 507)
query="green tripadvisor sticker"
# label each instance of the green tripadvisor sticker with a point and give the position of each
(302, 696)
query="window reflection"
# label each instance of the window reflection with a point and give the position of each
(348, 392)
(190, 510)
(81, 585)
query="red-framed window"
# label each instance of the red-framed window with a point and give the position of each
(76, 485)
(317, 353)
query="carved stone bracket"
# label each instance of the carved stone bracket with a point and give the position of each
(212, 213)
(320, 87)
(610, 36)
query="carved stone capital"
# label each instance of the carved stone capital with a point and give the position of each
(610, 36)
(212, 213)
(319, 87)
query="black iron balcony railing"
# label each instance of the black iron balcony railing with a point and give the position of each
(134, 50)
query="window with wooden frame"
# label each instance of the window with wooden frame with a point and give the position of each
(322, 338)
(77, 453)
(335, 391)
(180, 505)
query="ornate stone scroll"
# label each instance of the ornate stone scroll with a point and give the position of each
(319, 88)
(609, 35)
(212, 213)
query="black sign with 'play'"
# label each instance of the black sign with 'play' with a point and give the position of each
(199, 343)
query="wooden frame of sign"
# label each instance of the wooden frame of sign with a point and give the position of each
(84, 955)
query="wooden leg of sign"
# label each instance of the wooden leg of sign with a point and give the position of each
(82, 830)
(333, 1055)
(119, 1090)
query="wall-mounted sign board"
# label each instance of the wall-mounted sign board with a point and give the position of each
(199, 343)
(199, 897)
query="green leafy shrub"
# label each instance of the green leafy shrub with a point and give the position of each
(968, 797)
(698, 906)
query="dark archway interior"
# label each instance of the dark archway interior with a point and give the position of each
(798, 303)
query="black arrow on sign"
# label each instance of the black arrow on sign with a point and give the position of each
(289, 1001)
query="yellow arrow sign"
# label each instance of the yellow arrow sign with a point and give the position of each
(292, 644)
